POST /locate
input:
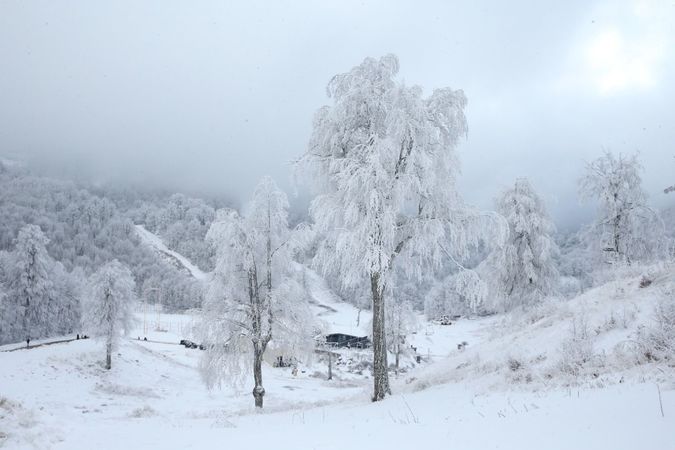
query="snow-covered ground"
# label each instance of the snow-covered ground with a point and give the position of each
(60, 397)
(509, 388)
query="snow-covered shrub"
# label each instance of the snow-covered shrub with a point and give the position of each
(145, 411)
(519, 369)
(577, 349)
(657, 342)
(608, 324)
(514, 364)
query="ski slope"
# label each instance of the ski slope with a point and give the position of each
(334, 315)
(156, 243)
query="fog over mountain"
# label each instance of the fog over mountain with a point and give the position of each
(209, 97)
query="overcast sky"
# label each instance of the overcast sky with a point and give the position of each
(210, 96)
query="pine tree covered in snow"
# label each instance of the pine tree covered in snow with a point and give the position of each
(31, 287)
(7, 311)
(382, 158)
(524, 268)
(41, 299)
(254, 299)
(626, 229)
(109, 309)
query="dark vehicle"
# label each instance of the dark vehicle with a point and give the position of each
(447, 320)
(347, 340)
(189, 344)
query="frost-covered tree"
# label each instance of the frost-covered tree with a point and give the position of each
(575, 264)
(382, 157)
(69, 288)
(627, 228)
(31, 285)
(41, 298)
(401, 321)
(109, 309)
(524, 268)
(6, 322)
(254, 300)
(461, 293)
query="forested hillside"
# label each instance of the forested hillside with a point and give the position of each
(75, 232)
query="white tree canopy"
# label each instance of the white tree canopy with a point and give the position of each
(626, 229)
(32, 297)
(109, 312)
(462, 293)
(255, 298)
(382, 158)
(524, 268)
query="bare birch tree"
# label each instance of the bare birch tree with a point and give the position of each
(109, 310)
(382, 157)
(627, 228)
(253, 300)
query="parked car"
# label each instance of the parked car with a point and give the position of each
(445, 320)
(189, 344)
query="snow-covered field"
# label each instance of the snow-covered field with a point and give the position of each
(61, 397)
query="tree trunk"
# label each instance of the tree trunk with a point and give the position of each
(617, 223)
(330, 365)
(108, 355)
(258, 389)
(380, 369)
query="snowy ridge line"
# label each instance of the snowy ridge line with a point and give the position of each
(156, 242)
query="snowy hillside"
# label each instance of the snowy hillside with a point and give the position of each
(154, 399)
(598, 339)
(508, 380)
